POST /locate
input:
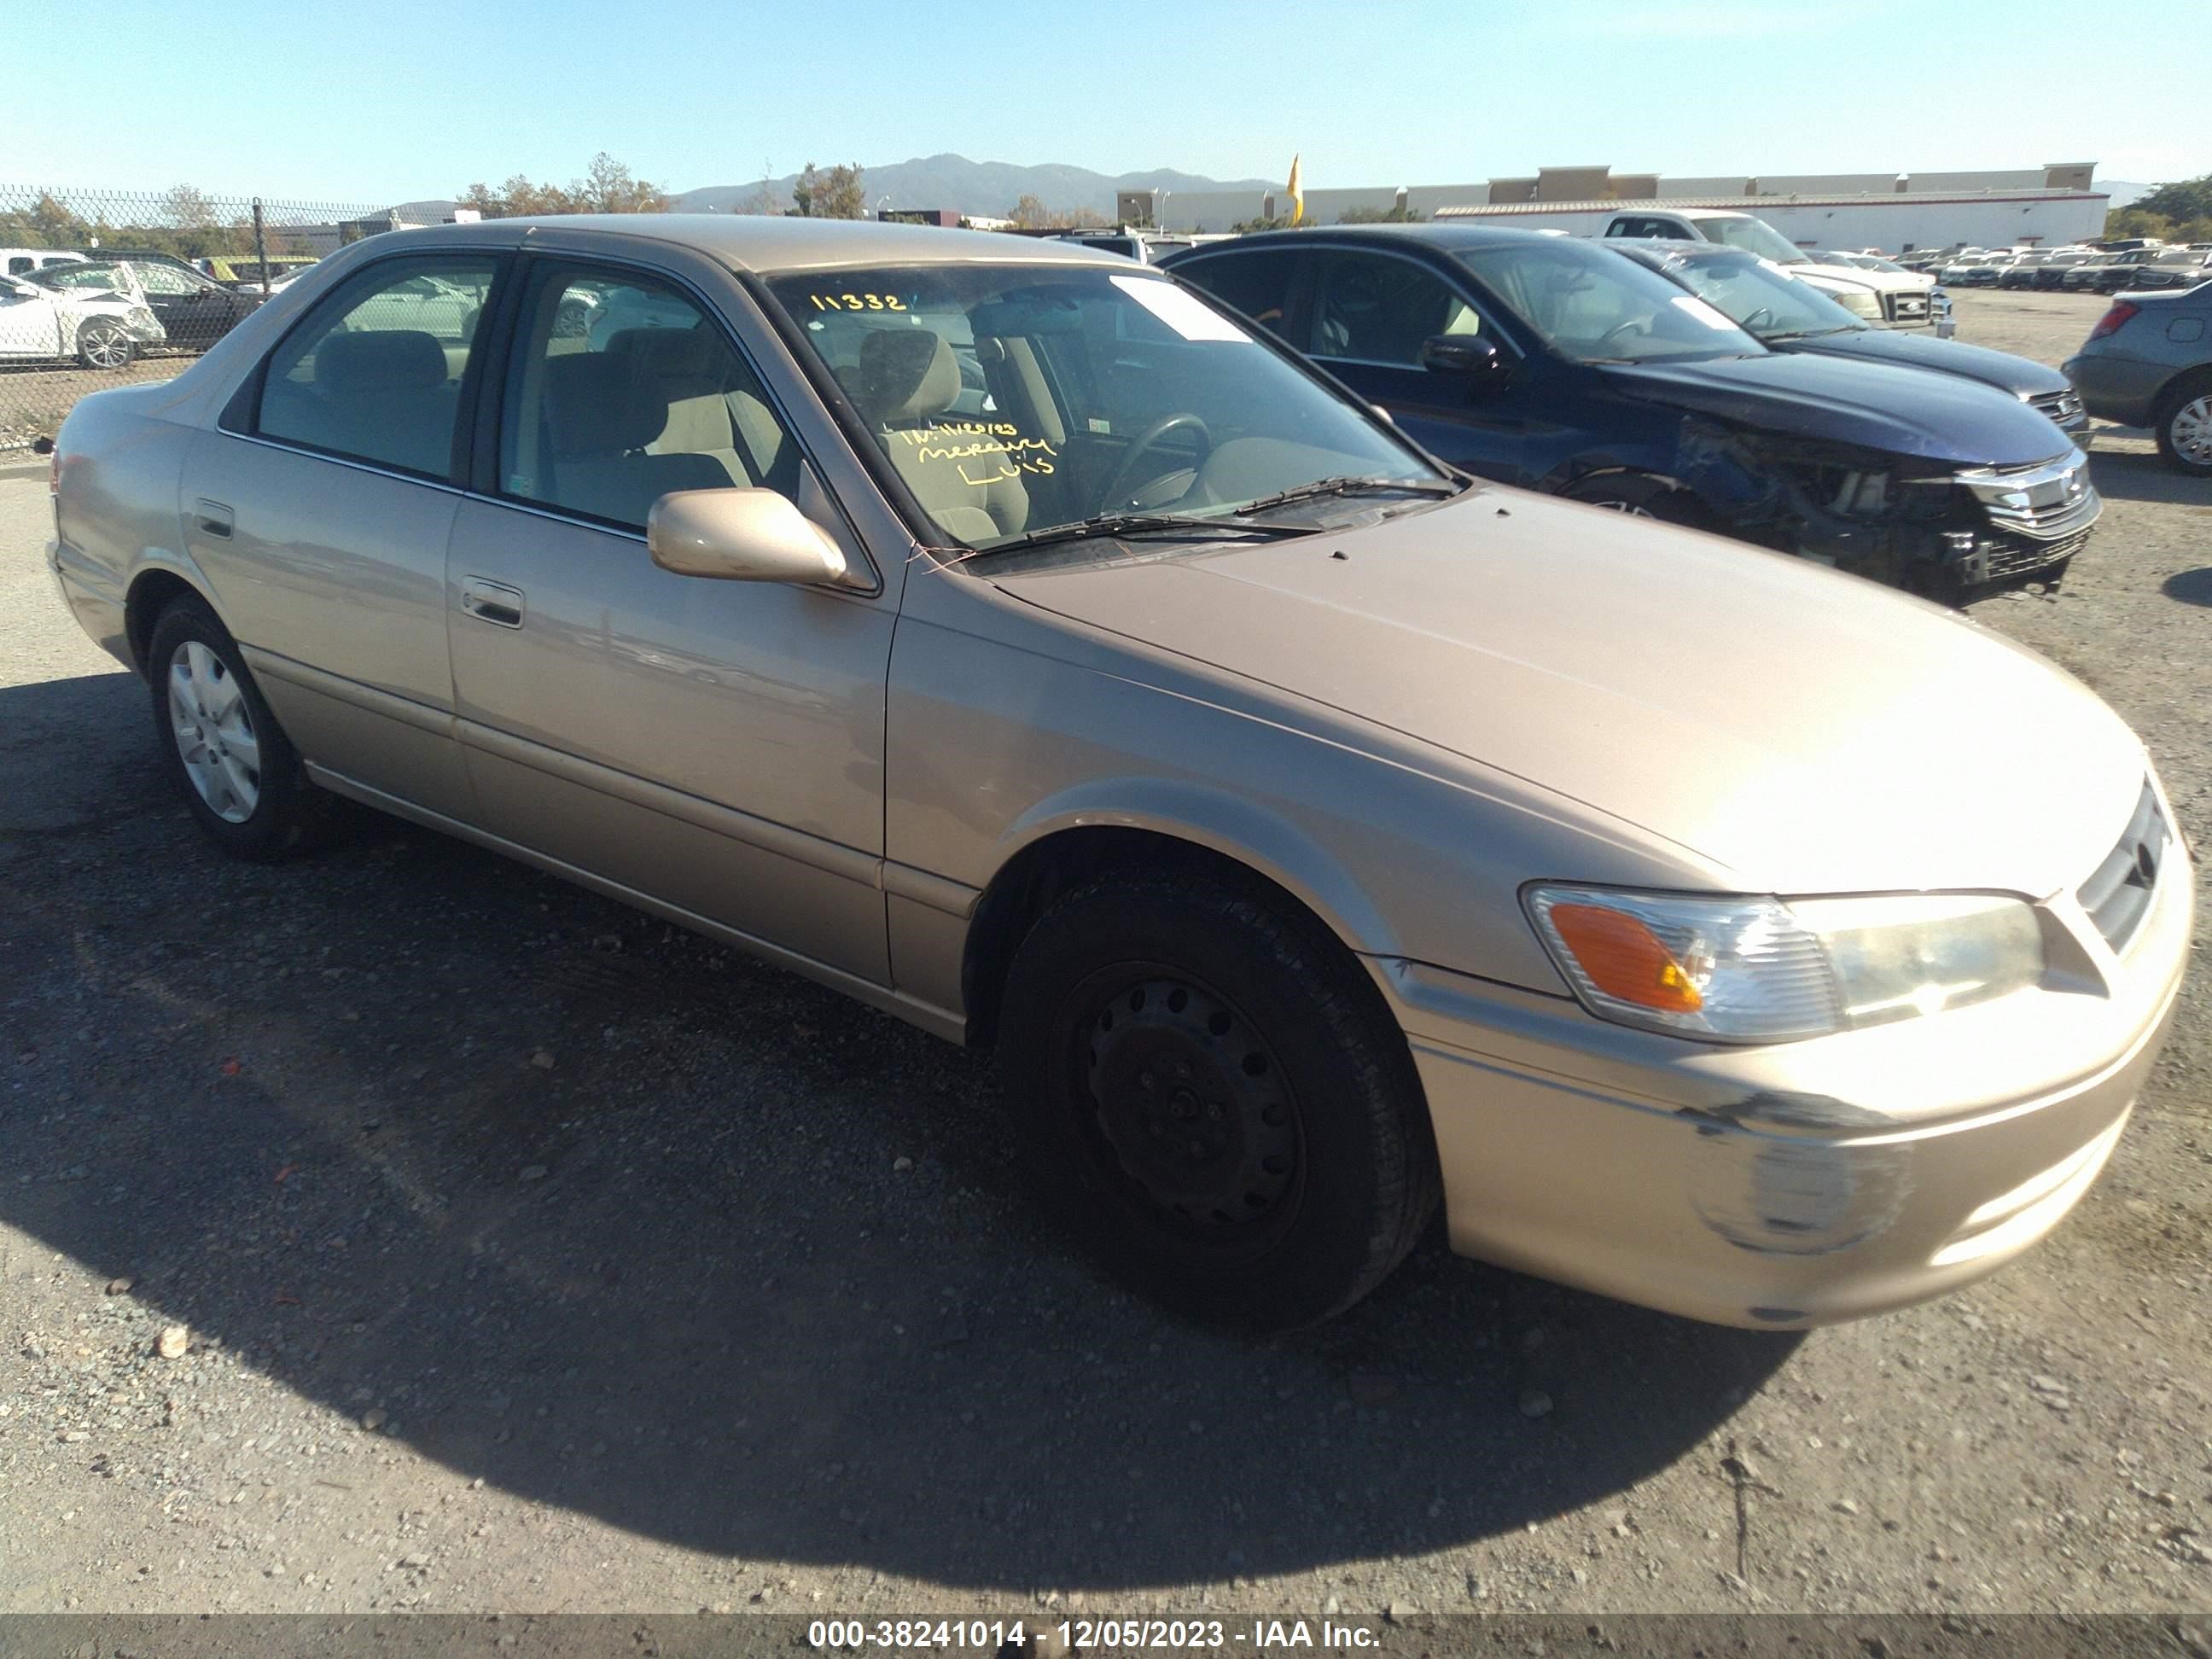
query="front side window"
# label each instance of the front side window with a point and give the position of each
(1590, 304)
(622, 390)
(167, 279)
(1104, 393)
(374, 371)
(1374, 308)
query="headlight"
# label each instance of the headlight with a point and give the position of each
(1860, 303)
(140, 314)
(1753, 969)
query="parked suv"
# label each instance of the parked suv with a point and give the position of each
(2173, 267)
(1556, 364)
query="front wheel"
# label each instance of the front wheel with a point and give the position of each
(1641, 496)
(239, 774)
(2184, 427)
(1216, 1098)
(102, 343)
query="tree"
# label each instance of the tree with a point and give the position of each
(1399, 214)
(187, 208)
(765, 201)
(837, 193)
(1030, 214)
(2182, 199)
(608, 187)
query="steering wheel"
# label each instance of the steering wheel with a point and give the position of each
(1635, 325)
(1763, 317)
(1146, 442)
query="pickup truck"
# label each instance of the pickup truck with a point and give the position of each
(1899, 299)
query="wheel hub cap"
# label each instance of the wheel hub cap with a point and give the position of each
(1192, 1103)
(2193, 431)
(213, 733)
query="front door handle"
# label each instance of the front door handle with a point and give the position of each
(492, 602)
(212, 517)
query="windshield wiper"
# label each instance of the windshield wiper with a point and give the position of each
(1349, 485)
(1120, 525)
(1816, 333)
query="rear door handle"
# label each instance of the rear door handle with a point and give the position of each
(492, 602)
(213, 518)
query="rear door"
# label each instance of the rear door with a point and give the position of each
(320, 506)
(716, 746)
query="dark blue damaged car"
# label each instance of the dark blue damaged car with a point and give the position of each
(1558, 365)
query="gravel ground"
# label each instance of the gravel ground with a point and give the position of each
(34, 400)
(405, 1230)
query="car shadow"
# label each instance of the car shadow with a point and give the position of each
(625, 1223)
(2129, 476)
(2189, 586)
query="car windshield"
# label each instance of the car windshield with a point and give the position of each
(1018, 401)
(1755, 236)
(88, 277)
(1588, 303)
(1761, 299)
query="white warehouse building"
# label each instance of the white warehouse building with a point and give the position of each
(1899, 212)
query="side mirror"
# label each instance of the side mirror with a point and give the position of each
(742, 536)
(1469, 356)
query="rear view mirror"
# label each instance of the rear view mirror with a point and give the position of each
(743, 536)
(1469, 355)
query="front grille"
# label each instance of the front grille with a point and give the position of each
(1911, 307)
(2117, 895)
(2045, 499)
(2016, 555)
(2062, 407)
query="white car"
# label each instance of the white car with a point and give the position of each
(101, 328)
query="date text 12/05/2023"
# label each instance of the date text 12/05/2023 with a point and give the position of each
(1085, 1635)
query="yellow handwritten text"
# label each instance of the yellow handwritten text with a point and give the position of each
(857, 302)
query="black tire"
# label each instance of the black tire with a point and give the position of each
(2188, 399)
(102, 343)
(287, 814)
(1642, 495)
(1149, 1005)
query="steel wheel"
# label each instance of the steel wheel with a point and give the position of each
(213, 733)
(1193, 1109)
(103, 345)
(2189, 429)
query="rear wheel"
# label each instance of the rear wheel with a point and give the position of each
(103, 343)
(240, 776)
(2183, 426)
(1216, 1098)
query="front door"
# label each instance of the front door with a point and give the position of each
(1372, 313)
(715, 746)
(28, 327)
(321, 514)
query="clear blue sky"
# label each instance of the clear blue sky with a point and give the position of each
(405, 99)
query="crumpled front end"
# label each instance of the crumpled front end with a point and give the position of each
(1949, 532)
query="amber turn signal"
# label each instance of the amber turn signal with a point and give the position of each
(1625, 958)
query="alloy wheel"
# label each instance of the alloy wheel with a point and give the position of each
(104, 345)
(213, 733)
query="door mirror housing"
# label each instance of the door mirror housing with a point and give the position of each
(1468, 356)
(743, 536)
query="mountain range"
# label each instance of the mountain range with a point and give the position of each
(988, 188)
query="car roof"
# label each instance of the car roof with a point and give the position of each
(1449, 236)
(771, 246)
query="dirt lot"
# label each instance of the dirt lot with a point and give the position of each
(537, 1257)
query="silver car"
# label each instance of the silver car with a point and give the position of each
(1318, 835)
(2148, 361)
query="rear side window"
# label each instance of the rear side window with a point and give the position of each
(1258, 284)
(1375, 308)
(374, 372)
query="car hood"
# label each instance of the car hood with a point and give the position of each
(1809, 732)
(1873, 405)
(2019, 376)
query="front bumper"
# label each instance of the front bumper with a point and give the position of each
(1796, 1184)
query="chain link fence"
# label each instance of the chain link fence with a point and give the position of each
(102, 287)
